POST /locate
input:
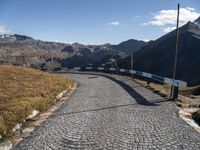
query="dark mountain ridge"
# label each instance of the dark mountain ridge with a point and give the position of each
(68, 55)
(130, 46)
(157, 57)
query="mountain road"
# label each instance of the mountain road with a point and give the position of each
(112, 112)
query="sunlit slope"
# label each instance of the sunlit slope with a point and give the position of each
(22, 90)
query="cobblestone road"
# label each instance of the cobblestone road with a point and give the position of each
(112, 113)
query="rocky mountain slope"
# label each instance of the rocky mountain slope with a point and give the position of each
(25, 50)
(130, 46)
(157, 57)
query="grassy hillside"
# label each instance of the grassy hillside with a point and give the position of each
(191, 90)
(23, 90)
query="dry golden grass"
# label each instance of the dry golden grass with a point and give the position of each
(163, 90)
(188, 96)
(24, 89)
(191, 91)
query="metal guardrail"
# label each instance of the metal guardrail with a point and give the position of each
(176, 83)
(166, 80)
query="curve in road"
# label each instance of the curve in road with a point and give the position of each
(111, 112)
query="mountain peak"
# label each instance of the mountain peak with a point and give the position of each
(21, 37)
(130, 45)
(16, 37)
(197, 22)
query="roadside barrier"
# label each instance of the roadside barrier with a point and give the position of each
(175, 83)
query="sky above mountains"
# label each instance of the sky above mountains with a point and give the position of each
(94, 21)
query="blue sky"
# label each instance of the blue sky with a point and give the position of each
(93, 21)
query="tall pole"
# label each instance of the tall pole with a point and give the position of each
(132, 65)
(174, 91)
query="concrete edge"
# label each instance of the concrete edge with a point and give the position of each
(186, 115)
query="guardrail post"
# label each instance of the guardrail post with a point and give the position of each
(150, 78)
(175, 92)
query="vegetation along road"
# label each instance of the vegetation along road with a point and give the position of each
(111, 112)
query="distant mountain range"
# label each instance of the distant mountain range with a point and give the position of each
(23, 49)
(153, 57)
(21, 41)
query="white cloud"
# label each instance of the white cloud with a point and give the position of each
(114, 23)
(189, 8)
(5, 30)
(145, 40)
(66, 42)
(167, 18)
(169, 29)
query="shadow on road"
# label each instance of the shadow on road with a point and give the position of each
(96, 109)
(137, 97)
(130, 90)
(106, 108)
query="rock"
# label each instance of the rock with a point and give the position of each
(196, 117)
(59, 96)
(188, 115)
(17, 127)
(27, 130)
(34, 113)
(184, 113)
(7, 145)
